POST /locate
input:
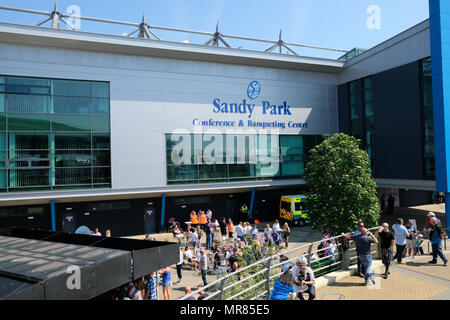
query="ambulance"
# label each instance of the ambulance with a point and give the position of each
(293, 208)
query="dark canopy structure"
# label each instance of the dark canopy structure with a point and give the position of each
(42, 265)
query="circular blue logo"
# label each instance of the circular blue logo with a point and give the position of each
(254, 89)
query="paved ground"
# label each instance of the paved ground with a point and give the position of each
(416, 280)
(419, 213)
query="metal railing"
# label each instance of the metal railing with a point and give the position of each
(146, 31)
(256, 280)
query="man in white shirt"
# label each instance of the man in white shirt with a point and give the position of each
(97, 233)
(400, 239)
(189, 254)
(203, 265)
(194, 237)
(276, 226)
(268, 230)
(240, 232)
(254, 231)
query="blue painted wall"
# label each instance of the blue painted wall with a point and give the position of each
(440, 59)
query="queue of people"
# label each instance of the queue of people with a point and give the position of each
(297, 279)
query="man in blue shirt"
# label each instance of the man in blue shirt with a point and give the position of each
(357, 232)
(152, 287)
(400, 239)
(208, 234)
(276, 238)
(240, 233)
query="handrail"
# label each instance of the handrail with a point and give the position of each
(145, 30)
(263, 263)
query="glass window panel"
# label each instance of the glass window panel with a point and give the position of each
(100, 123)
(368, 95)
(28, 154)
(28, 103)
(182, 172)
(102, 175)
(28, 141)
(28, 177)
(27, 81)
(2, 164)
(369, 109)
(100, 105)
(213, 172)
(268, 170)
(429, 155)
(173, 140)
(72, 141)
(2, 122)
(71, 88)
(102, 158)
(292, 168)
(100, 141)
(291, 145)
(2, 102)
(14, 88)
(71, 123)
(3, 141)
(2, 79)
(241, 170)
(67, 176)
(3, 179)
(72, 105)
(40, 90)
(28, 122)
(100, 89)
(73, 158)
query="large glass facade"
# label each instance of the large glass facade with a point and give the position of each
(429, 158)
(227, 158)
(368, 119)
(354, 110)
(54, 134)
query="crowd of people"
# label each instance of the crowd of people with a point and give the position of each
(201, 253)
(407, 240)
(298, 280)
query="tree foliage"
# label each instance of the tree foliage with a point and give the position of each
(341, 190)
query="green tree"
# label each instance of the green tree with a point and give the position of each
(341, 190)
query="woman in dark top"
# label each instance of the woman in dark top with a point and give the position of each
(223, 227)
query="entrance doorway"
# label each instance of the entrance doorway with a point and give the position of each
(150, 220)
(69, 222)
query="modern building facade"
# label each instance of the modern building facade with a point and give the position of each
(123, 133)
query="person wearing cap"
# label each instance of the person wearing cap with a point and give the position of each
(428, 223)
(435, 236)
(304, 280)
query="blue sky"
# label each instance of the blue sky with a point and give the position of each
(329, 23)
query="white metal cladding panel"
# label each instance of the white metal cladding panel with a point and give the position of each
(152, 96)
(411, 49)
